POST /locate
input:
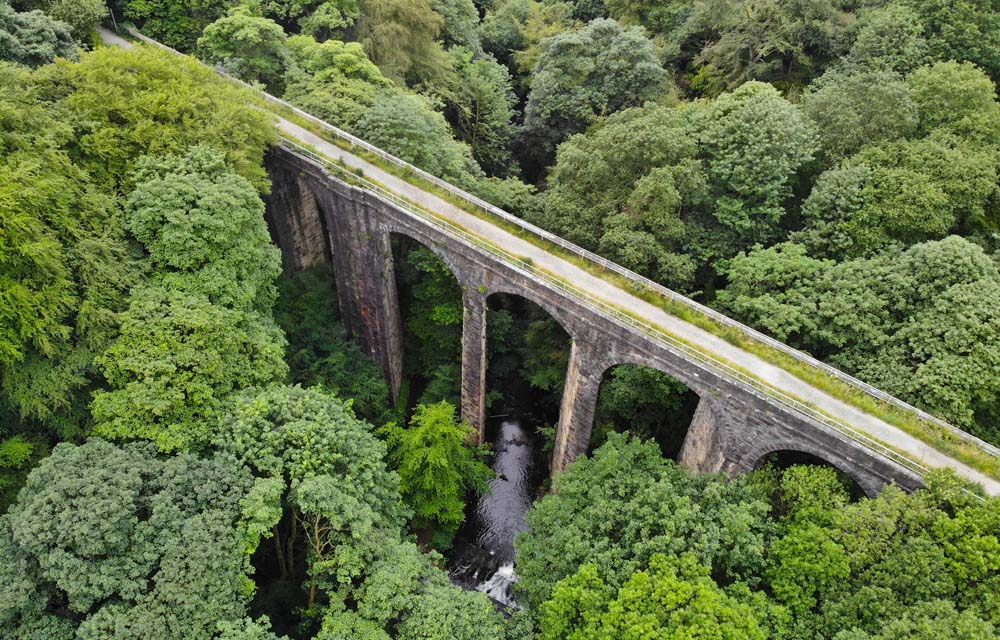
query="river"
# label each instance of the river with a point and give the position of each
(485, 561)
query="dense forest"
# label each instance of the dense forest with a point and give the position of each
(192, 446)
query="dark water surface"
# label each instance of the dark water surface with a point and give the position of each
(484, 561)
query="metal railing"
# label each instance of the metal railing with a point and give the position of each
(639, 280)
(530, 269)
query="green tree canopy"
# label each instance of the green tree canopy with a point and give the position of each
(249, 47)
(65, 269)
(333, 80)
(202, 226)
(125, 104)
(629, 187)
(33, 38)
(674, 597)
(582, 75)
(619, 508)
(111, 541)
(967, 31)
(401, 37)
(437, 469)
(175, 23)
(406, 125)
(177, 358)
(755, 142)
(856, 108)
(919, 323)
(81, 15)
(482, 109)
(327, 468)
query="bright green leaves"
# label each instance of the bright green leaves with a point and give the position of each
(203, 228)
(117, 540)
(175, 23)
(249, 47)
(127, 104)
(673, 598)
(625, 504)
(583, 75)
(754, 142)
(177, 358)
(407, 126)
(920, 324)
(202, 330)
(437, 469)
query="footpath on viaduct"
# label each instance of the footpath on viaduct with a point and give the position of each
(332, 205)
(316, 216)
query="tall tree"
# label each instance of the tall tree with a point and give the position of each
(176, 360)
(249, 47)
(625, 504)
(332, 80)
(125, 104)
(176, 23)
(918, 323)
(33, 38)
(582, 75)
(401, 37)
(203, 229)
(111, 541)
(437, 470)
(81, 15)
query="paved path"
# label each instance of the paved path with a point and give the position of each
(608, 292)
(604, 290)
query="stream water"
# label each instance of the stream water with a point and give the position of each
(485, 560)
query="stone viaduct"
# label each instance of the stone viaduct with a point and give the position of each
(316, 218)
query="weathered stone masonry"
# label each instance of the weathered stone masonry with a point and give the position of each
(315, 217)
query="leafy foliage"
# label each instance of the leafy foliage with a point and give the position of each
(177, 358)
(110, 541)
(582, 75)
(619, 508)
(175, 23)
(249, 47)
(81, 15)
(203, 229)
(125, 104)
(671, 597)
(319, 352)
(33, 38)
(918, 323)
(437, 469)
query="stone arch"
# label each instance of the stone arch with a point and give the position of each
(671, 440)
(440, 251)
(869, 484)
(541, 340)
(561, 315)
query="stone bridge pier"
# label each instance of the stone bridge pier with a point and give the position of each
(317, 218)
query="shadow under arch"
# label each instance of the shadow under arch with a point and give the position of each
(783, 458)
(528, 351)
(647, 400)
(429, 294)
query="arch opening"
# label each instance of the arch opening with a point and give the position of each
(646, 402)
(527, 354)
(784, 459)
(430, 306)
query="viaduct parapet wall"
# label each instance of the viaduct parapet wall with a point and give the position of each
(316, 218)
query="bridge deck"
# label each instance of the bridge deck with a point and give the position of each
(611, 294)
(607, 292)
